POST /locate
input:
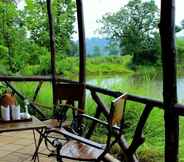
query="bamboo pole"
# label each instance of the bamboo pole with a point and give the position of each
(167, 32)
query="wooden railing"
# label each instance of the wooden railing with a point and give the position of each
(138, 139)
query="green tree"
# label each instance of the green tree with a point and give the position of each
(64, 12)
(24, 37)
(35, 15)
(134, 26)
(112, 48)
(12, 34)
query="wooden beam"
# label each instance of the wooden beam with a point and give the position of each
(82, 53)
(52, 50)
(179, 109)
(37, 90)
(35, 78)
(110, 158)
(140, 99)
(138, 137)
(25, 78)
(82, 47)
(167, 32)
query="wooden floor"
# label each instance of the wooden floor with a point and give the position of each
(19, 147)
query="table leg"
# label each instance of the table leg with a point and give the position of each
(37, 145)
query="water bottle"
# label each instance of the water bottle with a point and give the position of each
(27, 115)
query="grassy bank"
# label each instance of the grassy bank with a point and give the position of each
(69, 66)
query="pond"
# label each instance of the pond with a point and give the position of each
(139, 85)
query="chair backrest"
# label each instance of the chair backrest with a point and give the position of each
(70, 93)
(69, 96)
(116, 118)
(117, 110)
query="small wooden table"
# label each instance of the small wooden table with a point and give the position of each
(34, 124)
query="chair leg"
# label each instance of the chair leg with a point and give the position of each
(58, 157)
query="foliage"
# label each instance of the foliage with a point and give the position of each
(69, 66)
(113, 48)
(35, 18)
(24, 36)
(134, 26)
(180, 50)
(12, 35)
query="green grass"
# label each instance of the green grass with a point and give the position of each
(108, 65)
(44, 97)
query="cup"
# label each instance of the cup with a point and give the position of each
(15, 112)
(5, 113)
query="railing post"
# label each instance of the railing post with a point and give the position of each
(167, 32)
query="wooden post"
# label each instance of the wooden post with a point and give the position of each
(82, 49)
(167, 32)
(53, 50)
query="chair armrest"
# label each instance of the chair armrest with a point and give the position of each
(77, 138)
(98, 121)
(94, 119)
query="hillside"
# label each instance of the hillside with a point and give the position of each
(96, 43)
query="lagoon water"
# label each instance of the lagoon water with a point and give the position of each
(149, 87)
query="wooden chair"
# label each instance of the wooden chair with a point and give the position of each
(69, 97)
(82, 149)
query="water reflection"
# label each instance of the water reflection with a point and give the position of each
(150, 87)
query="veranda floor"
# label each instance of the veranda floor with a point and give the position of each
(19, 147)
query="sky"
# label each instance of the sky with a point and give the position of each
(94, 9)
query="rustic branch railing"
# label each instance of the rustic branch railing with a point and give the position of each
(105, 111)
(138, 139)
(48, 78)
(36, 78)
(145, 100)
